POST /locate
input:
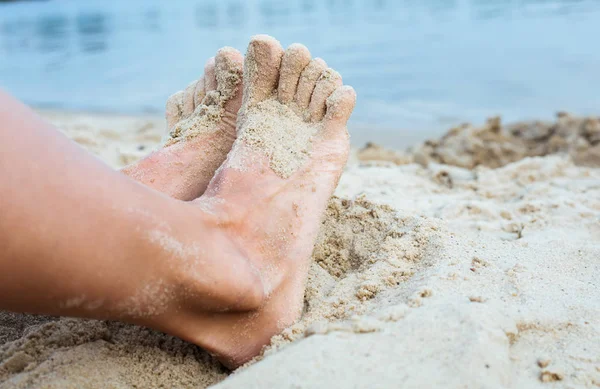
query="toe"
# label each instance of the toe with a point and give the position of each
(295, 59)
(174, 109)
(188, 99)
(199, 93)
(261, 68)
(210, 76)
(340, 106)
(229, 65)
(308, 79)
(329, 81)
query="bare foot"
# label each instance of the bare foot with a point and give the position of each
(269, 196)
(201, 122)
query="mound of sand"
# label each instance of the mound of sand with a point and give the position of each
(373, 153)
(494, 145)
(423, 276)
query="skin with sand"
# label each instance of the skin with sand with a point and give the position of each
(201, 122)
(228, 286)
(291, 134)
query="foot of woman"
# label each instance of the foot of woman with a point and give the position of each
(201, 122)
(268, 197)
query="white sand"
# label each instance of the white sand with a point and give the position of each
(474, 278)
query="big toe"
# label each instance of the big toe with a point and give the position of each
(229, 64)
(261, 68)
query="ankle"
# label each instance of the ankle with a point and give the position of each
(211, 273)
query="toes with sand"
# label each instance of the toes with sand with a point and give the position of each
(218, 92)
(271, 120)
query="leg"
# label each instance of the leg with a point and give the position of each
(80, 239)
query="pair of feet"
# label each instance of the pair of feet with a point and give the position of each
(258, 144)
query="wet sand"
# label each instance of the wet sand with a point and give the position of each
(469, 260)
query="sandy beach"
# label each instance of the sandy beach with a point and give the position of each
(468, 261)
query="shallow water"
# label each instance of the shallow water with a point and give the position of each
(416, 64)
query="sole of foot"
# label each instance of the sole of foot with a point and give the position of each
(271, 192)
(201, 121)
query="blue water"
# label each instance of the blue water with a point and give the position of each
(416, 64)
